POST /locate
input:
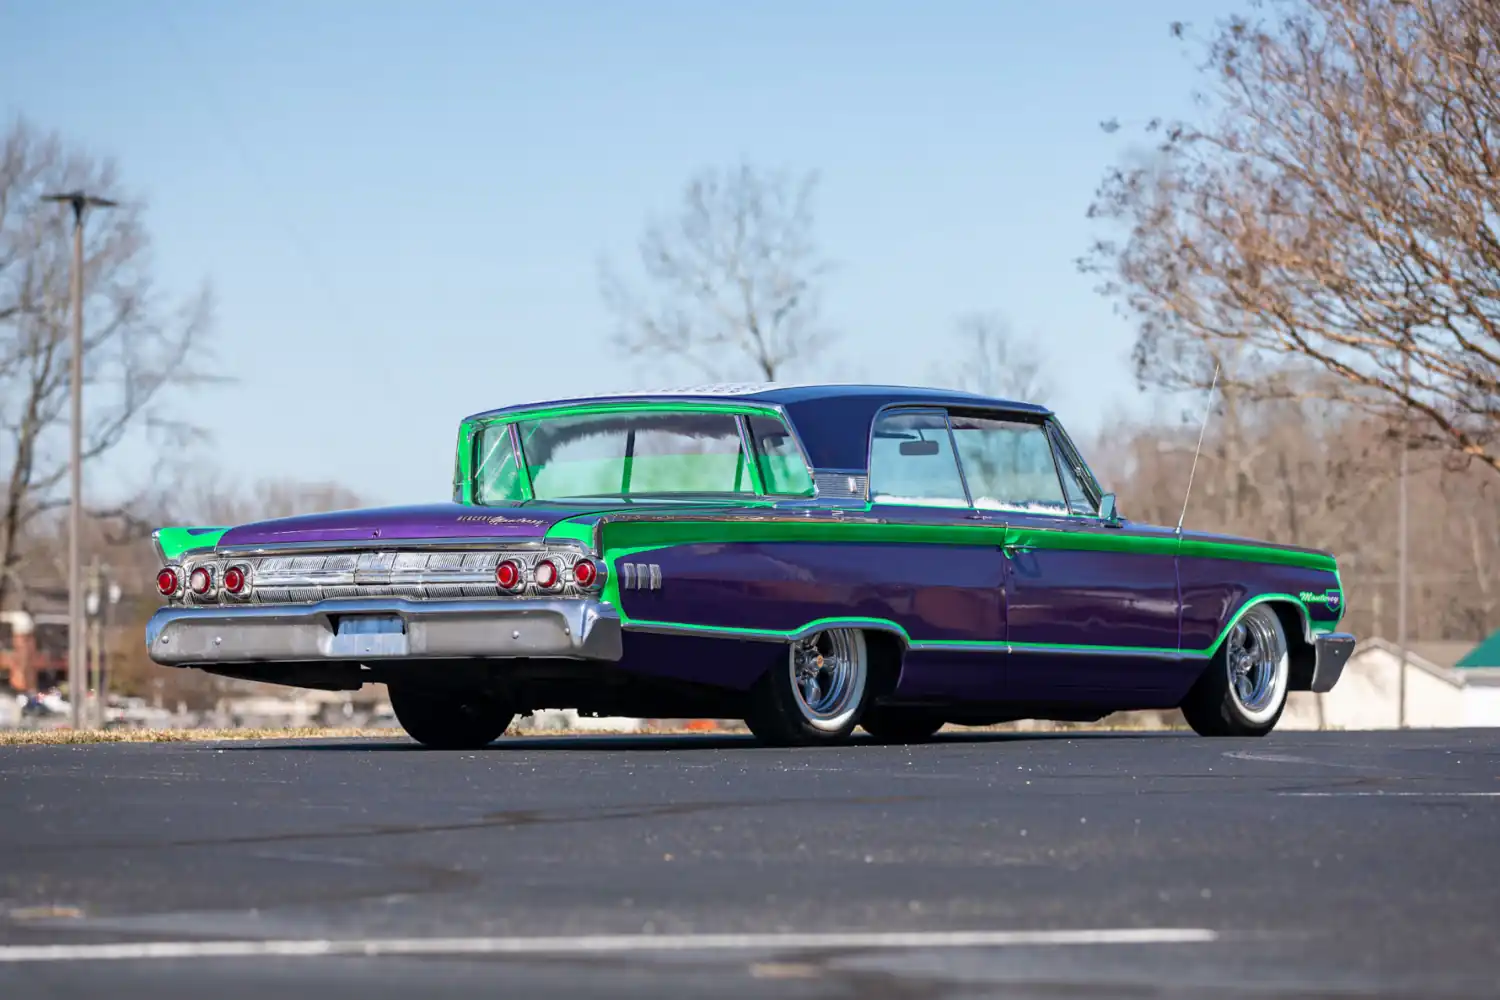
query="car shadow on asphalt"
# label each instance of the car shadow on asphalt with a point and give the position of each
(653, 742)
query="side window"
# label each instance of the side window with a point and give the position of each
(496, 476)
(1078, 500)
(912, 462)
(1009, 465)
(782, 469)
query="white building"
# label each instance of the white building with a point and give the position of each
(1441, 690)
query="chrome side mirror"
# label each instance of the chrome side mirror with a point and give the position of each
(1108, 513)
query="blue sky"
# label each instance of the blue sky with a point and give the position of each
(401, 206)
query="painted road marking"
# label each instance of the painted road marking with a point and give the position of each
(1391, 795)
(597, 944)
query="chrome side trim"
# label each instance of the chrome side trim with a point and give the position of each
(754, 635)
(571, 629)
(919, 646)
(1331, 652)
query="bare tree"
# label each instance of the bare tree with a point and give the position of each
(732, 279)
(1341, 205)
(1319, 473)
(136, 346)
(992, 361)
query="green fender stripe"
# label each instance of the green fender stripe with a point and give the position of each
(639, 536)
(964, 645)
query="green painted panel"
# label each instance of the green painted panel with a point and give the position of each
(645, 405)
(648, 534)
(174, 543)
(573, 528)
(1251, 552)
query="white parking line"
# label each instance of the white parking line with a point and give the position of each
(1390, 795)
(596, 944)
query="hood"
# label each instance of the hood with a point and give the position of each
(376, 524)
(1217, 539)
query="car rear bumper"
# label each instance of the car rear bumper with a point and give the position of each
(1332, 650)
(384, 629)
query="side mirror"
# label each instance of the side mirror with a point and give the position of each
(1108, 513)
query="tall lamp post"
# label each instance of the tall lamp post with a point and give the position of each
(80, 202)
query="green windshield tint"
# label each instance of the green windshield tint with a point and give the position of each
(637, 453)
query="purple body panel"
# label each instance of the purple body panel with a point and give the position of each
(944, 592)
(1214, 589)
(1083, 598)
(436, 520)
(936, 592)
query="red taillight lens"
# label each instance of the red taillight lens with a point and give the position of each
(545, 573)
(166, 582)
(585, 573)
(234, 580)
(200, 580)
(507, 575)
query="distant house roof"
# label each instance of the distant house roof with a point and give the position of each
(1486, 654)
(1442, 659)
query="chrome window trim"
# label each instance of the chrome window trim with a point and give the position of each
(736, 410)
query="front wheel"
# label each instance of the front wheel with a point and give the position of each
(1243, 691)
(450, 720)
(817, 696)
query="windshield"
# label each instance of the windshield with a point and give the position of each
(639, 454)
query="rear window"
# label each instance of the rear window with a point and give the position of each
(637, 454)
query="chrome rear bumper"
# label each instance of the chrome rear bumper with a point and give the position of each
(384, 629)
(1332, 650)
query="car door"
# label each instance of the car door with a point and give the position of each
(1091, 606)
(940, 572)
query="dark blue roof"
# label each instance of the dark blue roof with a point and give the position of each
(833, 421)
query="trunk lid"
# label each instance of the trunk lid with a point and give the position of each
(419, 521)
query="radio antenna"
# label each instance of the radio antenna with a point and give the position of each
(1207, 411)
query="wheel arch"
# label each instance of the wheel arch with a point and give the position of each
(887, 651)
(1296, 624)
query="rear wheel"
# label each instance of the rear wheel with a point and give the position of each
(450, 720)
(1243, 691)
(817, 696)
(900, 725)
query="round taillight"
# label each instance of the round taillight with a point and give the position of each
(507, 575)
(585, 573)
(545, 573)
(234, 580)
(166, 582)
(200, 580)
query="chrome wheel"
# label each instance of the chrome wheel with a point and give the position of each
(1255, 656)
(828, 672)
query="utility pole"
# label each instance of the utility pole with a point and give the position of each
(80, 203)
(92, 607)
(1401, 557)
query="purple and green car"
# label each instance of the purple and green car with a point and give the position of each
(808, 559)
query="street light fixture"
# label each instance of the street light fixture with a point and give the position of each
(80, 203)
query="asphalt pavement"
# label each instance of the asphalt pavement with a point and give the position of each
(1046, 866)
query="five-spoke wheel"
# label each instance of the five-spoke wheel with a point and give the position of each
(817, 697)
(1243, 692)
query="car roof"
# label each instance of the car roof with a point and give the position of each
(832, 419)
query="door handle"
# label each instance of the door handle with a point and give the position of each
(1012, 550)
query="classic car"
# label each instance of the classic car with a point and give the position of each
(806, 558)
